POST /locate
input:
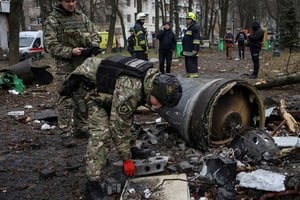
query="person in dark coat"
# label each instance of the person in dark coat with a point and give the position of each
(240, 39)
(131, 42)
(167, 44)
(255, 44)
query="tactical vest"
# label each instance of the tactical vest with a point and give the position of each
(113, 67)
(72, 29)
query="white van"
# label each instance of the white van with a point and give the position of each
(31, 44)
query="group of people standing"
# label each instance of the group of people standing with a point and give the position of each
(167, 44)
(253, 40)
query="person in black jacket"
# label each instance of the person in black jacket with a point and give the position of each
(131, 42)
(191, 45)
(255, 44)
(167, 44)
(240, 39)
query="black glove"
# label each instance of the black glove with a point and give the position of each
(96, 50)
(87, 52)
(87, 84)
(71, 85)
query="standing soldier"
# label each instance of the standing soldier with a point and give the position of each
(141, 46)
(70, 37)
(111, 105)
(191, 45)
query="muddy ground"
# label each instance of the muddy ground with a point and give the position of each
(36, 164)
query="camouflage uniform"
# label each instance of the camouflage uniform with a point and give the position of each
(110, 116)
(64, 31)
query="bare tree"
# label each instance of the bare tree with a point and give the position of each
(139, 7)
(156, 16)
(177, 26)
(123, 27)
(224, 5)
(16, 7)
(112, 24)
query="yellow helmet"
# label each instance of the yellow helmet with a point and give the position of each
(192, 16)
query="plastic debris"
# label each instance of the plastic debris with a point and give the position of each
(262, 180)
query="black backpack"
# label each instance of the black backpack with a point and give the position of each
(241, 38)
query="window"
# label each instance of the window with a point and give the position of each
(128, 2)
(129, 18)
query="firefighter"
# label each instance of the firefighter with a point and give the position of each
(140, 49)
(191, 45)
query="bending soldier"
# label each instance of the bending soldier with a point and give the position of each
(121, 84)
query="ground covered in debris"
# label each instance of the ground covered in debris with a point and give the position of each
(38, 164)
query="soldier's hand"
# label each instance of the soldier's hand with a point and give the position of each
(71, 85)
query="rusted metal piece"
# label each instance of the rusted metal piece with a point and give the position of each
(212, 110)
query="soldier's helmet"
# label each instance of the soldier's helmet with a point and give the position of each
(167, 89)
(192, 16)
(140, 16)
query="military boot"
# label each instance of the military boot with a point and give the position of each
(93, 191)
(137, 153)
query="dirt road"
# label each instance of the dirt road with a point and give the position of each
(37, 164)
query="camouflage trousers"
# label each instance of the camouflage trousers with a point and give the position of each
(101, 147)
(72, 116)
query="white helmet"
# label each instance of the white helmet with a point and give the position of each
(140, 15)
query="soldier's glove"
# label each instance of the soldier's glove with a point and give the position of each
(71, 85)
(96, 50)
(87, 84)
(128, 167)
(87, 52)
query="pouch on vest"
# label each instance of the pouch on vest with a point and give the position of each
(113, 67)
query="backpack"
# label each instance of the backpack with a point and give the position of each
(241, 38)
(229, 38)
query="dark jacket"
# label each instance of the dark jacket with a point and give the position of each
(130, 43)
(241, 37)
(167, 40)
(256, 38)
(191, 40)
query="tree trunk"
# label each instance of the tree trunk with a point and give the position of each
(279, 81)
(156, 16)
(205, 27)
(16, 7)
(112, 25)
(224, 5)
(139, 6)
(171, 12)
(177, 26)
(46, 8)
(123, 27)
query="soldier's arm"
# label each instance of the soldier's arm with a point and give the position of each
(125, 101)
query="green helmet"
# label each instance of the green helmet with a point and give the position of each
(192, 16)
(167, 89)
